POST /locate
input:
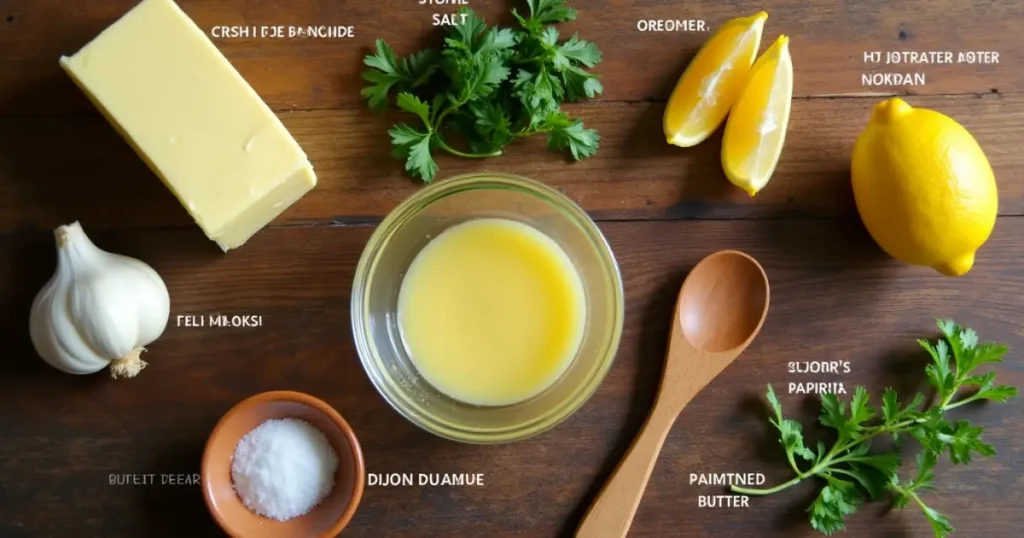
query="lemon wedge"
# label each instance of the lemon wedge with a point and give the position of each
(713, 81)
(756, 130)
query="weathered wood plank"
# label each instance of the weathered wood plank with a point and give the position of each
(828, 44)
(61, 169)
(834, 297)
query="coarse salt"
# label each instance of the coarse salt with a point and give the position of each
(283, 468)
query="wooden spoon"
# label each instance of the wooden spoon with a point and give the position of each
(721, 308)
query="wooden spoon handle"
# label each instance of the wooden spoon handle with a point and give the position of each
(612, 513)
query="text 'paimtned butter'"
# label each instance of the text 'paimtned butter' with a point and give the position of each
(194, 120)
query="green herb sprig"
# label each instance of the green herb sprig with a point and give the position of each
(490, 85)
(852, 472)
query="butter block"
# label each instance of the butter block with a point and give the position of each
(195, 121)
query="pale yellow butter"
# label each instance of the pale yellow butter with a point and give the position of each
(194, 120)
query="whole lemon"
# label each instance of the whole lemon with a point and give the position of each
(923, 187)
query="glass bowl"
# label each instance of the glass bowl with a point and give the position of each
(401, 236)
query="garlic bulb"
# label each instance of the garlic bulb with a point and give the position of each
(98, 309)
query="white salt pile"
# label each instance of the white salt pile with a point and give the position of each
(283, 468)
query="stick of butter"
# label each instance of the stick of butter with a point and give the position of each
(194, 120)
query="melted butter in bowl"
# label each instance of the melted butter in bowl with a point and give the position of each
(492, 312)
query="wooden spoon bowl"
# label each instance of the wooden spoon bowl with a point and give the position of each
(724, 310)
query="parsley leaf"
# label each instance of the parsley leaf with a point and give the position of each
(925, 463)
(835, 501)
(963, 440)
(388, 71)
(580, 51)
(491, 126)
(497, 40)
(999, 394)
(383, 75)
(860, 411)
(384, 60)
(579, 84)
(890, 405)
(402, 135)
(467, 32)
(414, 147)
(833, 415)
(940, 523)
(938, 373)
(790, 432)
(539, 94)
(494, 72)
(988, 353)
(410, 103)
(886, 463)
(565, 132)
(420, 162)
(870, 480)
(419, 66)
(547, 11)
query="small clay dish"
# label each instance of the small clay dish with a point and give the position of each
(326, 519)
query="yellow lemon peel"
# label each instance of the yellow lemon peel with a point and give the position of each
(923, 187)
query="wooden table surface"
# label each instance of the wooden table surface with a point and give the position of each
(835, 295)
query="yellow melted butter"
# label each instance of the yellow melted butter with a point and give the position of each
(492, 312)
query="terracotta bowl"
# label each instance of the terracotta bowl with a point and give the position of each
(326, 519)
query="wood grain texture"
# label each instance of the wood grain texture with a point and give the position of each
(834, 297)
(828, 44)
(56, 170)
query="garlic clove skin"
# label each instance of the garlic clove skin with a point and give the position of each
(49, 320)
(98, 309)
(102, 300)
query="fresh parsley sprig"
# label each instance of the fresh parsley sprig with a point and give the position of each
(853, 473)
(490, 85)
